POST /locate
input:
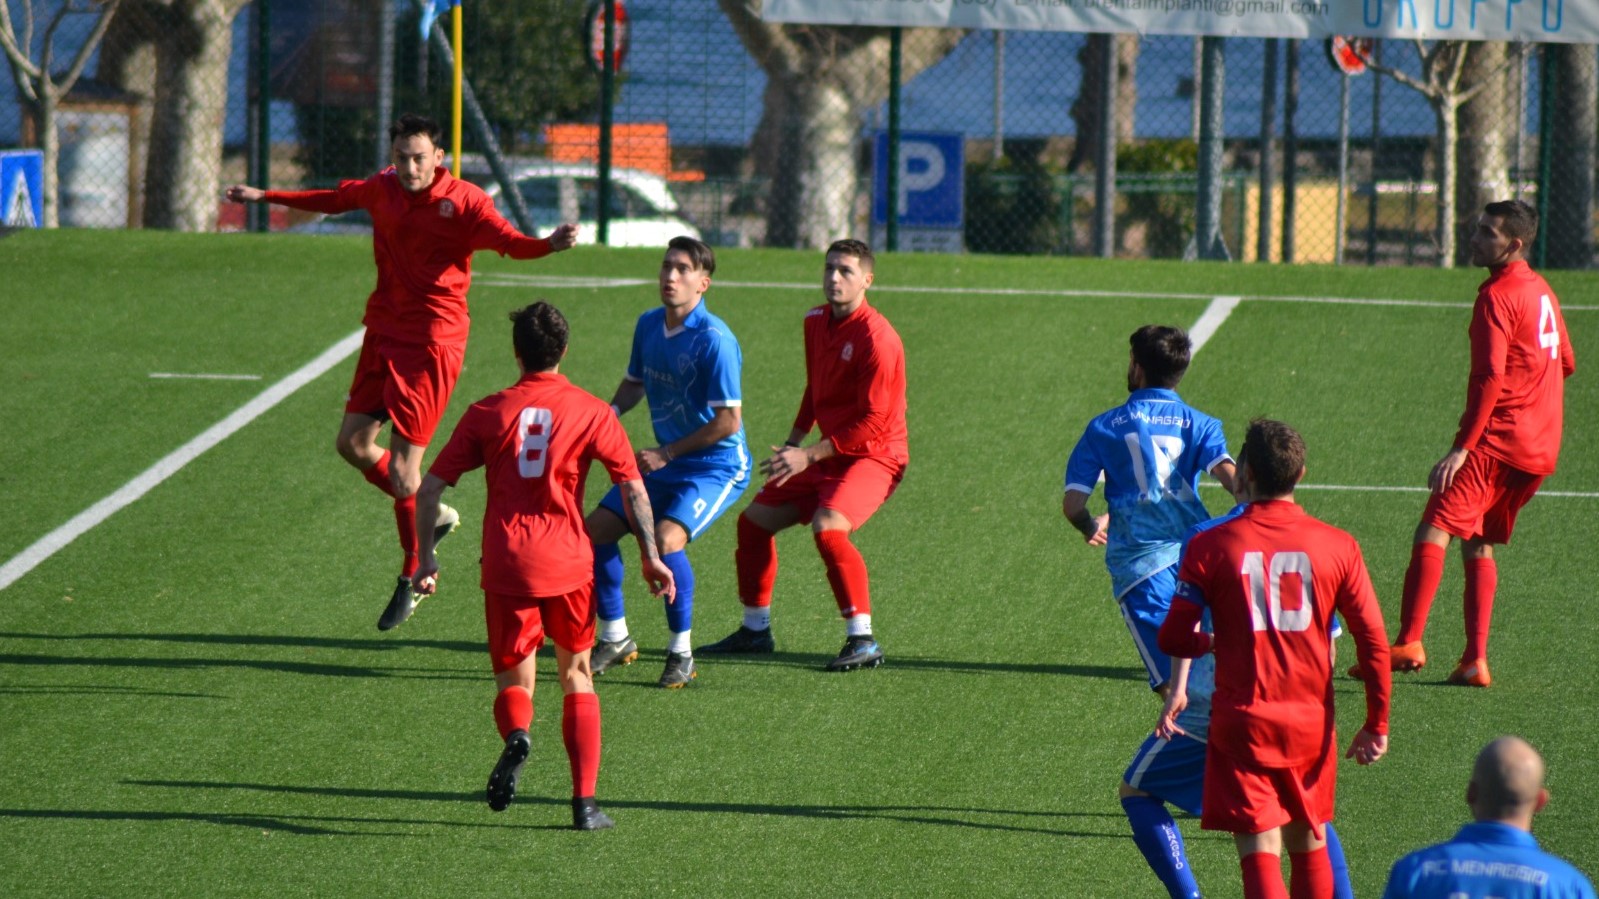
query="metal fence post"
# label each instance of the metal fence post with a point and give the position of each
(258, 215)
(1207, 218)
(1105, 152)
(602, 217)
(1290, 148)
(895, 59)
(1268, 160)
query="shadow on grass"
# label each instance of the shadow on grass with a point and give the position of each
(101, 690)
(818, 662)
(377, 644)
(307, 825)
(945, 816)
(281, 667)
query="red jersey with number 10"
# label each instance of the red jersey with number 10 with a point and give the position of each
(1271, 578)
(535, 440)
(855, 383)
(1520, 359)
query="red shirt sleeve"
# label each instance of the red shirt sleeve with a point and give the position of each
(874, 401)
(349, 195)
(1490, 347)
(492, 232)
(1357, 602)
(1178, 633)
(463, 452)
(613, 450)
(805, 419)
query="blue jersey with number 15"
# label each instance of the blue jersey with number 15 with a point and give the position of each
(1151, 451)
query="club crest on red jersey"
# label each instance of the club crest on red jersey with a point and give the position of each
(446, 209)
(848, 352)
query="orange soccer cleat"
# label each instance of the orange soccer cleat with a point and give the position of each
(1471, 673)
(1407, 657)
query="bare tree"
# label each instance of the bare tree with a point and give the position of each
(42, 89)
(1443, 67)
(1569, 229)
(1489, 117)
(820, 81)
(175, 54)
(1085, 109)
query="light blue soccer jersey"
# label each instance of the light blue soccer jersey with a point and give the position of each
(1486, 860)
(688, 373)
(1151, 451)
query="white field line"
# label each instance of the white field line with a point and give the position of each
(56, 540)
(1369, 488)
(179, 376)
(511, 279)
(1210, 321)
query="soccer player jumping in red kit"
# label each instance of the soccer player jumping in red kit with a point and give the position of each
(855, 395)
(535, 440)
(1272, 578)
(425, 226)
(1508, 441)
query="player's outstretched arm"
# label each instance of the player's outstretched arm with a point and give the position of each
(243, 193)
(639, 514)
(426, 578)
(1367, 747)
(563, 237)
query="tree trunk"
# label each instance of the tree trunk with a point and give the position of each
(1448, 134)
(1485, 158)
(1570, 226)
(1085, 109)
(50, 148)
(128, 61)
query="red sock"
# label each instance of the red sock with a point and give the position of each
(756, 561)
(1482, 578)
(1263, 876)
(1421, 585)
(580, 730)
(513, 710)
(846, 571)
(1312, 875)
(405, 521)
(378, 474)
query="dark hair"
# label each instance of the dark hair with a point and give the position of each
(1519, 217)
(539, 333)
(698, 252)
(1162, 352)
(410, 125)
(1275, 454)
(856, 248)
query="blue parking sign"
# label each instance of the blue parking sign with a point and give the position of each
(21, 188)
(932, 179)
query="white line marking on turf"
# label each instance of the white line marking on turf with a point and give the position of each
(170, 375)
(1368, 488)
(509, 279)
(58, 539)
(1211, 320)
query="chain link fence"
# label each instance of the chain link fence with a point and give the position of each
(757, 134)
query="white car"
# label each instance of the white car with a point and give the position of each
(643, 211)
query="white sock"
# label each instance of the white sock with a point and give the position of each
(612, 631)
(758, 618)
(679, 643)
(858, 626)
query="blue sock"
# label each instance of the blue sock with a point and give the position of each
(1340, 865)
(608, 573)
(680, 613)
(1161, 843)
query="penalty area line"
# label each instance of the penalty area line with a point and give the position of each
(173, 462)
(1210, 321)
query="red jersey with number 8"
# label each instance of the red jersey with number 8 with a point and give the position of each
(1272, 578)
(1520, 359)
(535, 441)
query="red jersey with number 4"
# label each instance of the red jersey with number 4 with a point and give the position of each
(1272, 578)
(855, 383)
(1520, 359)
(423, 245)
(535, 441)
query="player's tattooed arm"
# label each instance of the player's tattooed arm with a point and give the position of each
(639, 514)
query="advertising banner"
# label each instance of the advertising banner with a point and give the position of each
(1547, 21)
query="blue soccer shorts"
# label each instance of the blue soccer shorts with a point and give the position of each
(1172, 771)
(689, 493)
(1144, 608)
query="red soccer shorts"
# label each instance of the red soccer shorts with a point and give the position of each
(1243, 798)
(517, 624)
(407, 383)
(853, 486)
(1482, 500)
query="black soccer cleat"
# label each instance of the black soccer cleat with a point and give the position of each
(609, 654)
(586, 815)
(745, 640)
(508, 770)
(400, 606)
(858, 652)
(679, 671)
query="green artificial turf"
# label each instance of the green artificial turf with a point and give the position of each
(195, 701)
